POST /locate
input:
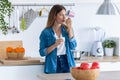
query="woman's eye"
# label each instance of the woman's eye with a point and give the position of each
(60, 14)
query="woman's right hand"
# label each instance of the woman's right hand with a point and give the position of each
(51, 48)
(58, 41)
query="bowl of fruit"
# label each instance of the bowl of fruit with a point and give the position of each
(86, 71)
(15, 53)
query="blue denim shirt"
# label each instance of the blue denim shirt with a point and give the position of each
(47, 39)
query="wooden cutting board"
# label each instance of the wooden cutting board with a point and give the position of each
(5, 44)
(24, 61)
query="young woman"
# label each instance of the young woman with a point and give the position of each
(56, 42)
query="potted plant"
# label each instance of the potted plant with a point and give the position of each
(109, 46)
(5, 10)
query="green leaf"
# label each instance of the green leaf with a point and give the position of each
(5, 10)
(109, 43)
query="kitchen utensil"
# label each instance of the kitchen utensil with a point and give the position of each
(23, 22)
(97, 48)
(29, 17)
(9, 22)
(43, 12)
(14, 28)
(17, 20)
(78, 54)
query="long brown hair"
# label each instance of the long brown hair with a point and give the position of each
(53, 12)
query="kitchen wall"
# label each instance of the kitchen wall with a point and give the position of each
(84, 21)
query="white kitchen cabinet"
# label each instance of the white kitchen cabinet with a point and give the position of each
(30, 72)
(27, 72)
(110, 66)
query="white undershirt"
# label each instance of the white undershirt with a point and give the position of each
(61, 49)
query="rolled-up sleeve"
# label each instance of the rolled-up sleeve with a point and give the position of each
(42, 45)
(72, 43)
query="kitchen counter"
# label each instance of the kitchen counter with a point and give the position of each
(99, 59)
(40, 61)
(105, 75)
(29, 68)
(24, 61)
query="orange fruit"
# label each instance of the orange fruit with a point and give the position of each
(21, 50)
(9, 49)
(16, 50)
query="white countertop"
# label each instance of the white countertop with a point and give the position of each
(104, 75)
(99, 59)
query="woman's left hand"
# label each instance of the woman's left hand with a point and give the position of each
(69, 23)
(69, 27)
